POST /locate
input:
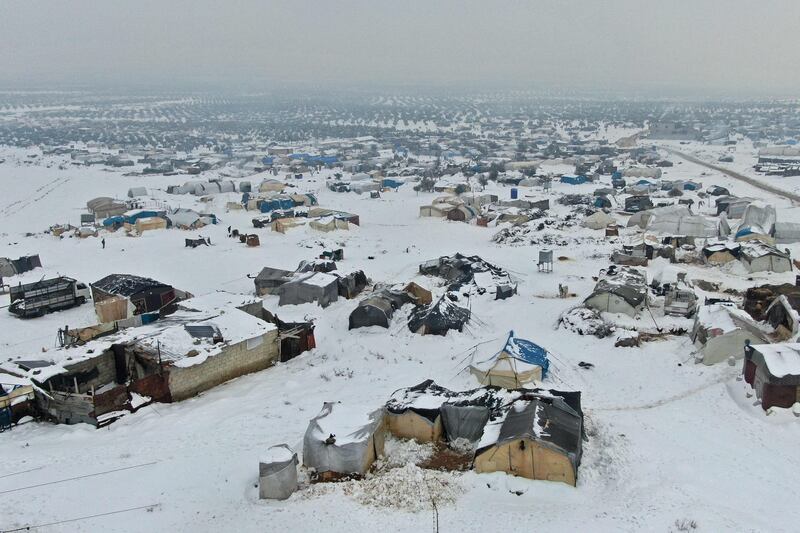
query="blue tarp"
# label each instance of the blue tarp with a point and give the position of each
(267, 160)
(114, 221)
(275, 203)
(573, 180)
(389, 182)
(528, 352)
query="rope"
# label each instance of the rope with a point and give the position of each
(76, 519)
(76, 477)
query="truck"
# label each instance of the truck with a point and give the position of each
(47, 295)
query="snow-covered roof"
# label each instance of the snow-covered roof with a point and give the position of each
(781, 359)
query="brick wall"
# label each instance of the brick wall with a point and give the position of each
(234, 361)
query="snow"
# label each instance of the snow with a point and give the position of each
(666, 438)
(781, 359)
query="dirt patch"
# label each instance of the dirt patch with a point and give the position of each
(443, 458)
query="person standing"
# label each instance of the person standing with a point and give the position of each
(103, 242)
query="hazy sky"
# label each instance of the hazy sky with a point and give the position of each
(736, 46)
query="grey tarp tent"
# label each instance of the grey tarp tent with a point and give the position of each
(343, 440)
(311, 287)
(371, 311)
(277, 473)
(269, 280)
(438, 318)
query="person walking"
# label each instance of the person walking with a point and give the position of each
(103, 242)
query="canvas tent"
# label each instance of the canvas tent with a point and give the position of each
(342, 441)
(310, 287)
(621, 290)
(537, 437)
(372, 311)
(598, 220)
(720, 331)
(518, 363)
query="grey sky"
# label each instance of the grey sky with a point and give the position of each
(735, 46)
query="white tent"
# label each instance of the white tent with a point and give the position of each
(598, 220)
(343, 440)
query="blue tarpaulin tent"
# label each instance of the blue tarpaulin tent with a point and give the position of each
(518, 363)
(573, 180)
(273, 204)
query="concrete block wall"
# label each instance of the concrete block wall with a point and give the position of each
(234, 361)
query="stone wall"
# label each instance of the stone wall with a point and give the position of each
(234, 361)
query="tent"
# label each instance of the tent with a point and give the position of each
(312, 287)
(270, 279)
(277, 473)
(342, 441)
(518, 363)
(421, 295)
(720, 331)
(329, 223)
(619, 291)
(643, 218)
(598, 220)
(786, 232)
(539, 437)
(757, 256)
(438, 318)
(372, 311)
(133, 192)
(186, 219)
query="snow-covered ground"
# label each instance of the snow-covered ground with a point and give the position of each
(671, 443)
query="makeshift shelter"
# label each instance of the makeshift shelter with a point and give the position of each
(773, 371)
(371, 311)
(620, 290)
(147, 224)
(782, 315)
(269, 280)
(720, 252)
(538, 437)
(350, 285)
(144, 294)
(694, 226)
(282, 225)
(435, 210)
(462, 213)
(786, 232)
(327, 224)
(719, 332)
(342, 441)
(758, 299)
(598, 220)
(518, 363)
(757, 256)
(186, 219)
(277, 473)
(133, 192)
(420, 294)
(430, 413)
(643, 218)
(438, 318)
(311, 287)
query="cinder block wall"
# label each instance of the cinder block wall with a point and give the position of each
(234, 361)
